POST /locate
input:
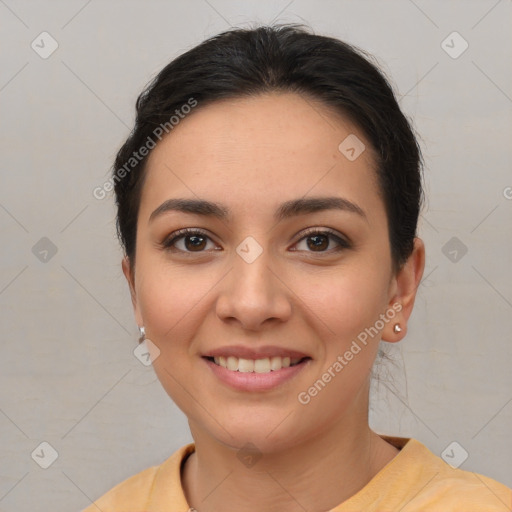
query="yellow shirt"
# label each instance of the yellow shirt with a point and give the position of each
(415, 480)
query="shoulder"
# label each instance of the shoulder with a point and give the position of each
(475, 488)
(478, 493)
(132, 493)
(155, 488)
(456, 488)
(417, 480)
(441, 486)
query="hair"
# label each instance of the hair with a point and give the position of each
(282, 58)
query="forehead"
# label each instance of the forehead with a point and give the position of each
(259, 151)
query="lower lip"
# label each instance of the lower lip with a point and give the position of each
(252, 381)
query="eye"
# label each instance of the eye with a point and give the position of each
(320, 240)
(194, 240)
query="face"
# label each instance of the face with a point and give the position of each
(257, 280)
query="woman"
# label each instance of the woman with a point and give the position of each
(268, 200)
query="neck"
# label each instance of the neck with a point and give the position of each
(316, 475)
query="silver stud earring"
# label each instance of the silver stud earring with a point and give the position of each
(397, 328)
(142, 332)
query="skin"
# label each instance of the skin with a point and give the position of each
(251, 155)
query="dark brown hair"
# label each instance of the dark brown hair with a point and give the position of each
(287, 58)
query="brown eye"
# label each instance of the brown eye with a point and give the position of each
(319, 240)
(194, 240)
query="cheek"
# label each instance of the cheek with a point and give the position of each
(169, 297)
(346, 307)
(346, 301)
(345, 310)
(174, 303)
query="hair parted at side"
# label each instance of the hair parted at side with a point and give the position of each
(286, 58)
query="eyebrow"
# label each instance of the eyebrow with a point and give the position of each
(286, 210)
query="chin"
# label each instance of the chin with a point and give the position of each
(266, 435)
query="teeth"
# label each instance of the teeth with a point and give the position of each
(262, 365)
(255, 365)
(245, 365)
(231, 363)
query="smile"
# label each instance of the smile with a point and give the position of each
(265, 365)
(256, 375)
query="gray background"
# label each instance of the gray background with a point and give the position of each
(68, 375)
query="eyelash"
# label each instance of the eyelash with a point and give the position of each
(169, 242)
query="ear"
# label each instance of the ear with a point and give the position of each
(403, 288)
(130, 278)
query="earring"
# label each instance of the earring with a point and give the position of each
(397, 328)
(142, 332)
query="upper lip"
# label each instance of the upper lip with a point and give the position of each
(245, 352)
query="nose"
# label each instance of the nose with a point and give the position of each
(254, 294)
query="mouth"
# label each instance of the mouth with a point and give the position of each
(263, 365)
